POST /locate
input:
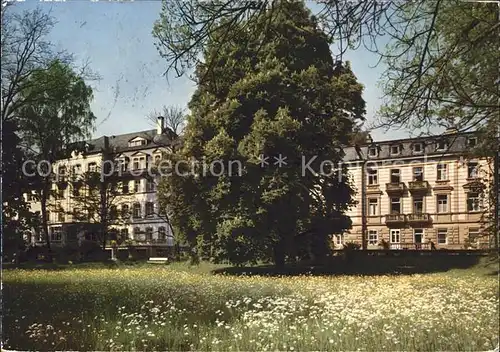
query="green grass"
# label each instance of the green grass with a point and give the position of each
(178, 307)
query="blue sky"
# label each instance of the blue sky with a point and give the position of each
(116, 38)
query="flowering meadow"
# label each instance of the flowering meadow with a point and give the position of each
(159, 308)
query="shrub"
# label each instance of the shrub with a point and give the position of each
(384, 244)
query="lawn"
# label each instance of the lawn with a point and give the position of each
(180, 308)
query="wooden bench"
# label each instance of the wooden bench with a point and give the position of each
(158, 260)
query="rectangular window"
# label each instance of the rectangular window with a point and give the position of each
(418, 205)
(113, 212)
(472, 170)
(418, 148)
(162, 234)
(150, 210)
(418, 173)
(125, 187)
(395, 205)
(395, 149)
(373, 207)
(372, 176)
(135, 163)
(395, 175)
(395, 236)
(372, 237)
(442, 235)
(123, 234)
(442, 146)
(418, 235)
(442, 203)
(474, 235)
(372, 152)
(92, 167)
(136, 210)
(442, 172)
(472, 142)
(137, 233)
(338, 240)
(150, 185)
(61, 216)
(149, 233)
(137, 186)
(62, 173)
(124, 164)
(56, 234)
(77, 169)
(473, 202)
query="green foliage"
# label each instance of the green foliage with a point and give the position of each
(351, 246)
(51, 124)
(443, 71)
(276, 93)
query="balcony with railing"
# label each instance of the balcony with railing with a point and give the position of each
(419, 218)
(395, 219)
(410, 246)
(418, 186)
(395, 188)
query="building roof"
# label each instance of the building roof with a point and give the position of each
(455, 143)
(120, 143)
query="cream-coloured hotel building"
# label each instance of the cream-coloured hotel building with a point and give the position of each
(417, 191)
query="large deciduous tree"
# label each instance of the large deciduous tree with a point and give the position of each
(278, 94)
(51, 124)
(441, 56)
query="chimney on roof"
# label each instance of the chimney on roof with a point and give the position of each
(159, 125)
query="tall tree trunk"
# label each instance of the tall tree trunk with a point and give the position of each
(44, 194)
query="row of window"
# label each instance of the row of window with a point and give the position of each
(150, 186)
(149, 210)
(148, 233)
(418, 236)
(137, 186)
(136, 163)
(137, 211)
(418, 173)
(56, 234)
(417, 148)
(77, 169)
(474, 204)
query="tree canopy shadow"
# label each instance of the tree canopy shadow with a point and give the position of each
(361, 264)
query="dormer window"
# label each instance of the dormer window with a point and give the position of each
(441, 146)
(137, 142)
(372, 152)
(395, 149)
(472, 142)
(418, 148)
